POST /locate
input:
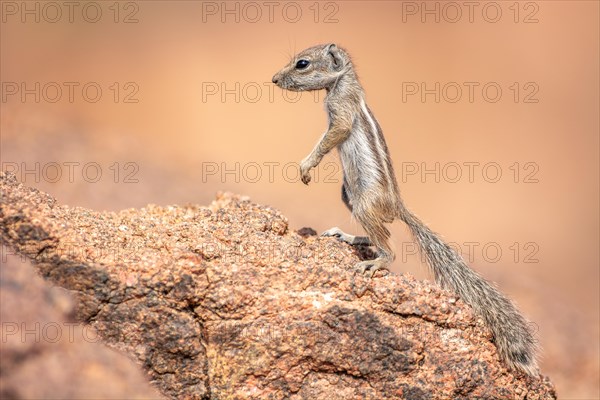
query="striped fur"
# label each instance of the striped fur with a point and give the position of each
(371, 193)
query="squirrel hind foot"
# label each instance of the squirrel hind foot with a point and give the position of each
(369, 267)
(347, 238)
(338, 234)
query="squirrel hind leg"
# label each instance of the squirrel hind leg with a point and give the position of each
(379, 236)
(384, 255)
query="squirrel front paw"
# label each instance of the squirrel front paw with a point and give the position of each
(305, 167)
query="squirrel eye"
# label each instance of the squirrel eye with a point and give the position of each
(301, 64)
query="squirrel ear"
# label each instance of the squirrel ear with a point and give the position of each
(333, 51)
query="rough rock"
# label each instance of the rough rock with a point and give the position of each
(46, 354)
(226, 301)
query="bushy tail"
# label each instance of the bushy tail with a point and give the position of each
(512, 334)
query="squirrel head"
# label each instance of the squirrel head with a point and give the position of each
(317, 67)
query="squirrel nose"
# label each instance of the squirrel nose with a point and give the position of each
(275, 79)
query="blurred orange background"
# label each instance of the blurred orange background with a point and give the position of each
(490, 110)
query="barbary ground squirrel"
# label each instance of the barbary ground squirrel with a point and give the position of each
(371, 193)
